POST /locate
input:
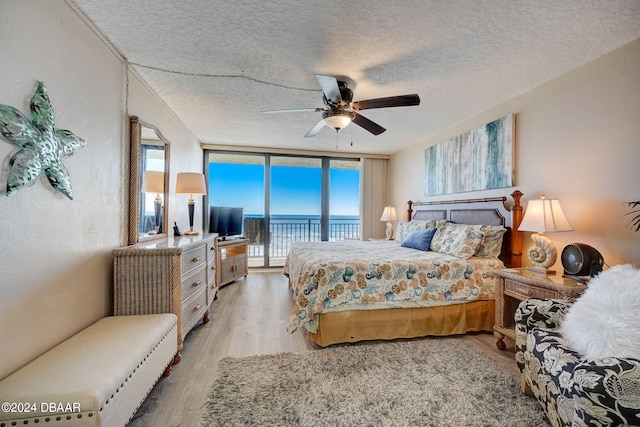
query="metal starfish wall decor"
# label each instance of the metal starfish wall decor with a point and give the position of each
(42, 146)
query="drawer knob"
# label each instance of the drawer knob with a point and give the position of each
(197, 307)
(196, 259)
(194, 284)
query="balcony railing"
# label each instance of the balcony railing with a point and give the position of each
(284, 231)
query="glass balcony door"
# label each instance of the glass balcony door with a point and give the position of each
(238, 180)
(295, 204)
(285, 199)
(344, 200)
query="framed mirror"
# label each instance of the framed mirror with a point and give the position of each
(148, 182)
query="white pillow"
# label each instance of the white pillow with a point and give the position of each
(605, 320)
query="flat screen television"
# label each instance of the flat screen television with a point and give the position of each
(225, 220)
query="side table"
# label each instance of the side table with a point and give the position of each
(518, 284)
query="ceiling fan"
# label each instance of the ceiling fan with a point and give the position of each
(339, 111)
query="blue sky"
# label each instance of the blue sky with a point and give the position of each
(295, 190)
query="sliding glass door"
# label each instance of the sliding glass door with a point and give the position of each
(295, 203)
(344, 200)
(238, 180)
(286, 199)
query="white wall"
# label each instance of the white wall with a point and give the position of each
(578, 139)
(186, 151)
(55, 253)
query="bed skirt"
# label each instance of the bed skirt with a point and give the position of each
(393, 323)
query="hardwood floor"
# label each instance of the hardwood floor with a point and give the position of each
(248, 318)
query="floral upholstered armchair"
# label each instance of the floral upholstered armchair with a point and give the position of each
(574, 391)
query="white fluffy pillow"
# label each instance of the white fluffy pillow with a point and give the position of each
(605, 320)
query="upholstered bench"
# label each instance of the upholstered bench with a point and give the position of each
(98, 377)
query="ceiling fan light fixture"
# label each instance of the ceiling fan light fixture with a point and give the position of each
(337, 121)
(339, 111)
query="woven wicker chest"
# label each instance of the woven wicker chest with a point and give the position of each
(170, 275)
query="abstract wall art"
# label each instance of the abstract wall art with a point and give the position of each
(42, 146)
(481, 159)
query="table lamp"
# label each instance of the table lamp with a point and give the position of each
(153, 182)
(543, 216)
(389, 214)
(191, 183)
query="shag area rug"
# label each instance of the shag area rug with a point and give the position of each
(423, 382)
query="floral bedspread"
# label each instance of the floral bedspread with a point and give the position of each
(359, 275)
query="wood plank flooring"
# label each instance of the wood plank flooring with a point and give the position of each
(248, 318)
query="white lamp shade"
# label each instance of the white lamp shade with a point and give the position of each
(389, 214)
(338, 121)
(543, 216)
(190, 183)
(153, 182)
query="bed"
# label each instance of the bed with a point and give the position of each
(351, 291)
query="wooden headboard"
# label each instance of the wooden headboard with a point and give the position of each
(487, 211)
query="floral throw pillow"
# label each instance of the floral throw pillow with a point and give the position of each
(459, 240)
(491, 246)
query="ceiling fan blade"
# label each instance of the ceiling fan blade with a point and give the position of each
(293, 110)
(330, 88)
(316, 129)
(391, 101)
(367, 124)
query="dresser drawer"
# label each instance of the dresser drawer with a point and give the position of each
(211, 253)
(212, 285)
(211, 274)
(524, 291)
(193, 309)
(193, 258)
(194, 282)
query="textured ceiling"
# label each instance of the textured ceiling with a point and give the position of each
(217, 64)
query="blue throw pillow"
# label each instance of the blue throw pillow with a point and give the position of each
(420, 239)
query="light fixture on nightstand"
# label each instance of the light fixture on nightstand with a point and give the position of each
(191, 183)
(153, 182)
(543, 216)
(388, 215)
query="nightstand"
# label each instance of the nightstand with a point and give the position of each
(516, 285)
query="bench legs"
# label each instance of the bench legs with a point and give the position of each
(176, 358)
(167, 370)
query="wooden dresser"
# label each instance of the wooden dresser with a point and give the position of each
(169, 275)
